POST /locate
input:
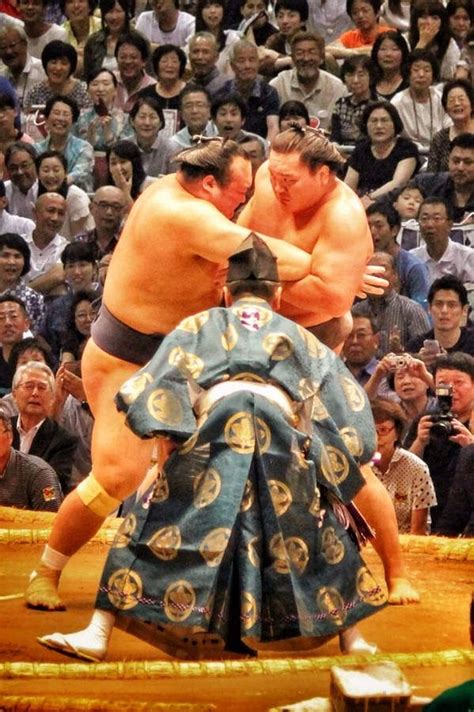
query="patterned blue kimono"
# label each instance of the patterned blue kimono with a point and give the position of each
(241, 528)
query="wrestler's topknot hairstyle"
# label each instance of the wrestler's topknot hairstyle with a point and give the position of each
(312, 145)
(209, 156)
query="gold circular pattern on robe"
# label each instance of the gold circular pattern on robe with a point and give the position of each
(229, 338)
(248, 496)
(315, 506)
(331, 602)
(249, 610)
(179, 601)
(315, 347)
(297, 553)
(353, 393)
(264, 315)
(334, 464)
(186, 362)
(165, 543)
(125, 588)
(206, 487)
(193, 324)
(239, 433)
(247, 376)
(135, 385)
(352, 441)
(281, 496)
(189, 444)
(213, 546)
(278, 346)
(161, 490)
(319, 410)
(252, 551)
(125, 532)
(368, 588)
(280, 555)
(165, 407)
(307, 388)
(332, 547)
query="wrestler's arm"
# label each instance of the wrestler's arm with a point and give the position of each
(338, 261)
(221, 238)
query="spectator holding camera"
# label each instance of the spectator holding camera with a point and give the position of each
(405, 476)
(438, 436)
(448, 306)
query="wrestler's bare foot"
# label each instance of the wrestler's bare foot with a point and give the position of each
(401, 592)
(352, 642)
(42, 590)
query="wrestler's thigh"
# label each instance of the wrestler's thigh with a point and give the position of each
(119, 458)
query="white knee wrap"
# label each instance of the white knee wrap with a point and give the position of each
(95, 498)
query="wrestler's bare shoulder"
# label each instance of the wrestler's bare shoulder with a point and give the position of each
(168, 198)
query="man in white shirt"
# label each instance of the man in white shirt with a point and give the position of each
(21, 190)
(317, 89)
(46, 245)
(166, 24)
(441, 255)
(19, 67)
(12, 223)
(38, 31)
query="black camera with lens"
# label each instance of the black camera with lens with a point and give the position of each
(442, 417)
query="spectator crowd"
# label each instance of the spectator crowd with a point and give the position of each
(97, 97)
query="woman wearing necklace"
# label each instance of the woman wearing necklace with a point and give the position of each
(458, 102)
(429, 29)
(420, 106)
(169, 64)
(389, 55)
(383, 160)
(100, 47)
(358, 75)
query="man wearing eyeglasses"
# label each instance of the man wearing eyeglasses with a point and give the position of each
(20, 68)
(108, 210)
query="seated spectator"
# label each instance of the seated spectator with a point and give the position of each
(413, 280)
(14, 323)
(80, 273)
(397, 318)
(14, 265)
(458, 516)
(255, 150)
(9, 222)
(102, 124)
(99, 52)
(80, 24)
(365, 16)
(196, 115)
(389, 55)
(34, 430)
(429, 30)
(360, 348)
(19, 67)
(203, 51)
(51, 167)
(108, 209)
(262, 100)
(169, 65)
(420, 107)
(407, 203)
(132, 52)
(125, 170)
(59, 61)
(441, 255)
(9, 133)
(148, 122)
(209, 18)
(22, 189)
(229, 114)
(46, 245)
(405, 476)
(329, 19)
(166, 24)
(292, 113)
(61, 114)
(448, 307)
(290, 17)
(458, 103)
(461, 19)
(439, 449)
(80, 316)
(38, 31)
(358, 74)
(405, 380)
(317, 89)
(384, 160)
(27, 482)
(28, 349)
(255, 23)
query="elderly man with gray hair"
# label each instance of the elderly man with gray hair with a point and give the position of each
(34, 430)
(21, 69)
